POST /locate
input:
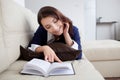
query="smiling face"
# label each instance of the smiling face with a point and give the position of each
(52, 25)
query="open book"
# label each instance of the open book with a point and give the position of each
(44, 68)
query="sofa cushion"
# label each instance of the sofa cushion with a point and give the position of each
(3, 56)
(16, 27)
(63, 51)
(84, 70)
(102, 50)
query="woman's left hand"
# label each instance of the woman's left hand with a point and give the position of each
(66, 28)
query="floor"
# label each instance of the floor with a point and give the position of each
(112, 78)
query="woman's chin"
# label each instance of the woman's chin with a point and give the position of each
(58, 34)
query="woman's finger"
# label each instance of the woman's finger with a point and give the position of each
(46, 58)
(57, 59)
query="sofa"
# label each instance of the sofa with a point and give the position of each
(104, 55)
(17, 26)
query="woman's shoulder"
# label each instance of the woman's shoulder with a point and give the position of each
(40, 29)
(75, 28)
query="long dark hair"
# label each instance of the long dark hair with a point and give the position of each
(55, 13)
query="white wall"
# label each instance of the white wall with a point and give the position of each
(109, 10)
(90, 19)
(21, 2)
(105, 31)
(76, 10)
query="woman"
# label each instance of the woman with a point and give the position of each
(54, 26)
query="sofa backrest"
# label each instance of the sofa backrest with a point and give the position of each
(17, 24)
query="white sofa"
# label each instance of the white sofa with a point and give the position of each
(105, 56)
(17, 25)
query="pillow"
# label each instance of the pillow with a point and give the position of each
(63, 51)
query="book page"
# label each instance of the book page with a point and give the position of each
(38, 65)
(61, 68)
(31, 71)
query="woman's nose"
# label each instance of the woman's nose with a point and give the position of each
(54, 27)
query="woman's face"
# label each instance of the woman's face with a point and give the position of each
(52, 25)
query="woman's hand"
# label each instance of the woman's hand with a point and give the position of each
(66, 28)
(66, 34)
(50, 54)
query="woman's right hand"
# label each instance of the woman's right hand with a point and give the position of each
(50, 54)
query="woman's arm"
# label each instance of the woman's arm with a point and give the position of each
(38, 39)
(76, 38)
(75, 42)
(66, 34)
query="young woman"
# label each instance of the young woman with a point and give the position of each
(54, 26)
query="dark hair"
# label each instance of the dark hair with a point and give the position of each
(53, 12)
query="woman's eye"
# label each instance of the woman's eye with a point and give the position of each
(55, 20)
(48, 27)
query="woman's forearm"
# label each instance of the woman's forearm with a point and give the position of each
(68, 39)
(40, 49)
